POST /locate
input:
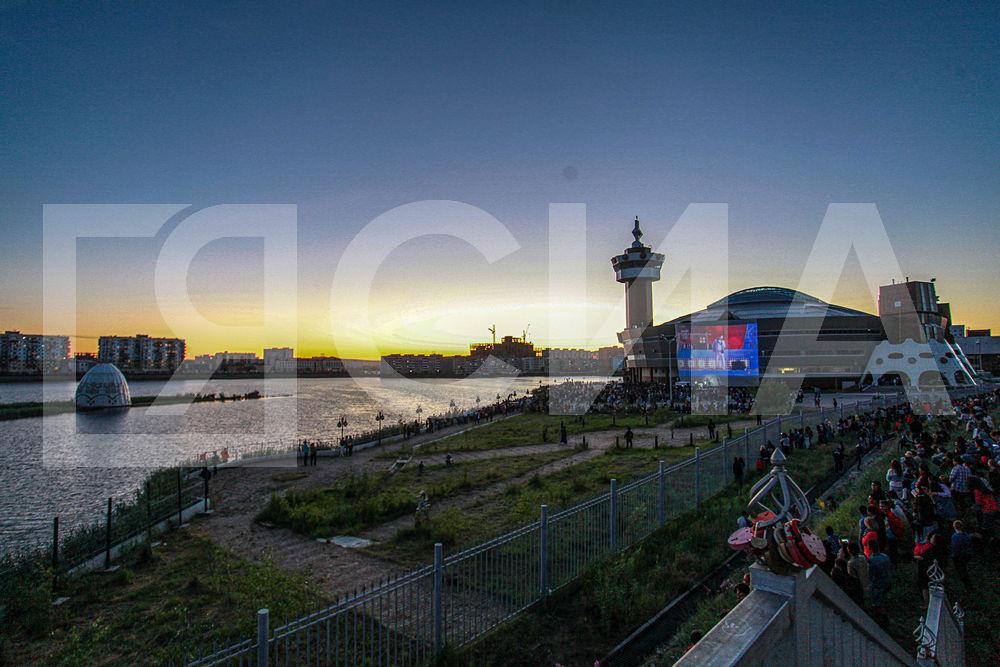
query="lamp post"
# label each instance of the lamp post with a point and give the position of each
(342, 423)
(379, 418)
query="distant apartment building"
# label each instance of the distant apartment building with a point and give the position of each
(33, 353)
(140, 353)
(233, 361)
(320, 366)
(83, 362)
(273, 354)
(430, 365)
(562, 360)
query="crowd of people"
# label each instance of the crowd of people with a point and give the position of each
(937, 503)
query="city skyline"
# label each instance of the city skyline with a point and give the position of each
(348, 113)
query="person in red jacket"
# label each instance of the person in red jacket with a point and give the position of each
(871, 537)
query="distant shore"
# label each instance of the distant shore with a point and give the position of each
(226, 375)
(32, 409)
(132, 377)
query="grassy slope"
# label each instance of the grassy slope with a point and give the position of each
(982, 638)
(533, 428)
(367, 500)
(582, 622)
(188, 594)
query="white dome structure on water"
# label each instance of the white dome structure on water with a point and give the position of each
(103, 386)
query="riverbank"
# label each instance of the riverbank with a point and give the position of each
(32, 409)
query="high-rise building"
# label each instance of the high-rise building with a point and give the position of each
(33, 353)
(140, 353)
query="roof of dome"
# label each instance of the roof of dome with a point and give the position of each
(758, 303)
(103, 386)
(765, 295)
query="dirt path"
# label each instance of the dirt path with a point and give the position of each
(240, 493)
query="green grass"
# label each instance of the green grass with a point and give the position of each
(185, 595)
(904, 600)
(365, 501)
(584, 620)
(519, 504)
(532, 429)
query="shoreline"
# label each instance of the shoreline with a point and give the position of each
(33, 409)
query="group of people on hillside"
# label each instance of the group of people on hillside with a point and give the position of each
(937, 504)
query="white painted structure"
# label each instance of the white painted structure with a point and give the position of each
(800, 620)
(103, 386)
(921, 363)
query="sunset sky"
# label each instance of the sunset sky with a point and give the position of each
(348, 111)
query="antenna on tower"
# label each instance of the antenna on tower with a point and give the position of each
(493, 330)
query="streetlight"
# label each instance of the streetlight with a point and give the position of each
(379, 417)
(342, 423)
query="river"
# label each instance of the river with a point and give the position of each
(68, 465)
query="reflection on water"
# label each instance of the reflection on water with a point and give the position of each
(68, 465)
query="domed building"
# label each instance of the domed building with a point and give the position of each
(103, 386)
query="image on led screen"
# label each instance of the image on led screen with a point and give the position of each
(717, 350)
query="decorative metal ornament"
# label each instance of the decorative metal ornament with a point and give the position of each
(935, 577)
(959, 616)
(926, 640)
(777, 488)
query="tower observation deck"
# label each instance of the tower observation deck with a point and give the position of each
(638, 268)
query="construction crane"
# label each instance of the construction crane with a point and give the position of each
(524, 334)
(493, 330)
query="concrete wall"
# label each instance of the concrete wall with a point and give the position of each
(802, 619)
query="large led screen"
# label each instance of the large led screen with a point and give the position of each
(718, 350)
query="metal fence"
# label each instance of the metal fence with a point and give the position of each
(460, 597)
(165, 495)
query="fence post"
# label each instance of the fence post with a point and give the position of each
(206, 492)
(262, 638)
(180, 501)
(746, 446)
(438, 595)
(661, 514)
(613, 514)
(841, 409)
(149, 517)
(802, 419)
(697, 475)
(725, 459)
(107, 539)
(778, 436)
(543, 552)
(55, 545)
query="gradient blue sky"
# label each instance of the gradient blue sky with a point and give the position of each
(349, 110)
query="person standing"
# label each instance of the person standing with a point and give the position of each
(562, 433)
(739, 465)
(858, 566)
(629, 437)
(880, 572)
(959, 479)
(838, 458)
(312, 454)
(961, 551)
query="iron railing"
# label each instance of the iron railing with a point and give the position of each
(460, 597)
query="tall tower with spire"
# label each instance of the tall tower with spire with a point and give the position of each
(638, 267)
